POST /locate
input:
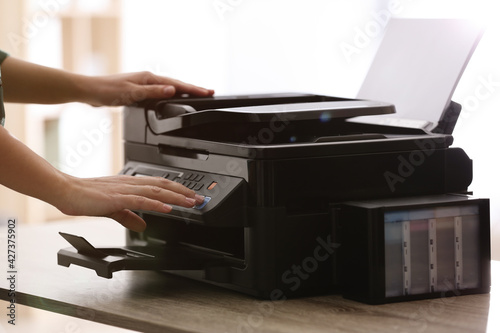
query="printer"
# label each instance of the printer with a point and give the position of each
(304, 196)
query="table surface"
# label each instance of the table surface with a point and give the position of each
(159, 302)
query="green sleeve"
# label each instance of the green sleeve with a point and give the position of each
(3, 55)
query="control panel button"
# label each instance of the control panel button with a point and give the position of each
(197, 187)
(203, 204)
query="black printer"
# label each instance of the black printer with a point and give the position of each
(302, 199)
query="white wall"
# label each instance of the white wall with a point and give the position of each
(249, 46)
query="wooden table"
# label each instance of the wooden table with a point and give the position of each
(159, 302)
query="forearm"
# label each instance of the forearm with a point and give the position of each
(25, 82)
(24, 171)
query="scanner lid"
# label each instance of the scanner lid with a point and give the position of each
(171, 115)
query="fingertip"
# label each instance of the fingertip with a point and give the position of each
(169, 91)
(199, 199)
(167, 208)
(190, 202)
(204, 92)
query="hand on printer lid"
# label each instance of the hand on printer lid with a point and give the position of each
(129, 88)
(26, 82)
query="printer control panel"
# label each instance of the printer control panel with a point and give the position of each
(224, 195)
(194, 181)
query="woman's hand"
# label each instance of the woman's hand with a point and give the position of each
(125, 89)
(24, 171)
(116, 196)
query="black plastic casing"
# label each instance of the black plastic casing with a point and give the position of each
(272, 227)
(363, 257)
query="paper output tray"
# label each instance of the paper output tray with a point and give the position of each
(105, 261)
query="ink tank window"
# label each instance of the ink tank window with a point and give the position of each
(415, 247)
(432, 250)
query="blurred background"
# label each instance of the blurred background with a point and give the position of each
(232, 46)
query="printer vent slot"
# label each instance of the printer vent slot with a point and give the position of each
(352, 137)
(180, 152)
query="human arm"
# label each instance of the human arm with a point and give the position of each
(24, 171)
(25, 82)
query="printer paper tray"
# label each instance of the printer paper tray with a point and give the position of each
(105, 261)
